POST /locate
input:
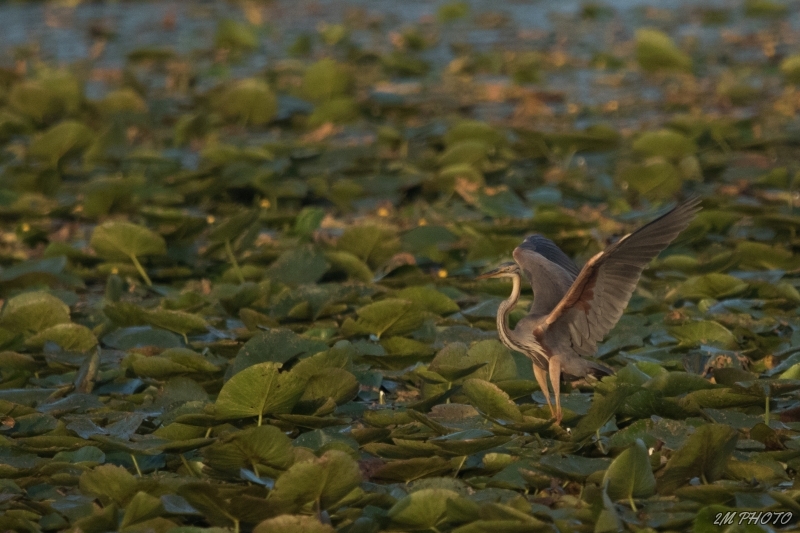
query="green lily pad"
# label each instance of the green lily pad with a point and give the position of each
(604, 406)
(372, 244)
(411, 469)
(704, 332)
(491, 400)
(654, 180)
(350, 264)
(17, 361)
(265, 450)
(110, 483)
(140, 509)
(278, 346)
(33, 312)
(764, 8)
(474, 130)
(488, 360)
(572, 467)
(258, 390)
(467, 152)
(124, 100)
(122, 241)
(336, 111)
(69, 336)
(231, 228)
(391, 316)
(452, 11)
(235, 35)
(503, 203)
(47, 270)
(292, 524)
(665, 143)
(428, 299)
(452, 175)
(335, 383)
(759, 255)
(171, 362)
(656, 51)
(285, 268)
(790, 68)
(712, 285)
(677, 383)
(126, 314)
(63, 139)
(326, 480)
(249, 102)
(325, 80)
(53, 94)
(705, 454)
(422, 509)
(630, 475)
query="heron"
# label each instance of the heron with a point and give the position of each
(574, 309)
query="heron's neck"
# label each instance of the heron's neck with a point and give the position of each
(504, 309)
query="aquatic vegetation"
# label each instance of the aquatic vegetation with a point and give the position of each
(238, 244)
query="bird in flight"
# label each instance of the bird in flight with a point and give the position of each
(574, 309)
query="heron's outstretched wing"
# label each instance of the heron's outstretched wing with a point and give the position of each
(548, 269)
(595, 302)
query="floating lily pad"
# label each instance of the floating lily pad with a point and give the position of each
(705, 332)
(491, 400)
(292, 524)
(122, 101)
(325, 80)
(69, 336)
(658, 179)
(630, 475)
(391, 316)
(278, 346)
(248, 101)
(656, 51)
(335, 111)
(235, 35)
(325, 480)
(256, 448)
(121, 241)
(285, 268)
(258, 390)
(665, 143)
(51, 95)
(68, 137)
(704, 455)
(422, 509)
(33, 312)
(713, 285)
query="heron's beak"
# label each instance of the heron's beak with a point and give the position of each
(491, 274)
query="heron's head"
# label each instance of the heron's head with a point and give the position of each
(506, 270)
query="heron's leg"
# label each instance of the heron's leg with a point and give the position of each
(541, 379)
(555, 380)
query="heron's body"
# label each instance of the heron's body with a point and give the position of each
(574, 309)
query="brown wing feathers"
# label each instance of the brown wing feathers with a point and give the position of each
(597, 298)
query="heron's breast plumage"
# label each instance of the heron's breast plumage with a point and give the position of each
(526, 340)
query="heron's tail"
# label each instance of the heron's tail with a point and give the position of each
(583, 368)
(597, 370)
